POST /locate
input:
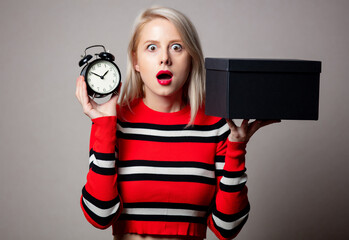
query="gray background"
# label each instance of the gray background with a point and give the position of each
(298, 184)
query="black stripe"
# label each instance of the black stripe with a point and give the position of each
(219, 173)
(234, 174)
(176, 164)
(231, 217)
(230, 233)
(167, 178)
(163, 218)
(103, 221)
(102, 156)
(177, 127)
(231, 188)
(168, 205)
(99, 203)
(219, 158)
(214, 139)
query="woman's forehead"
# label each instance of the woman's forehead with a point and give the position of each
(159, 29)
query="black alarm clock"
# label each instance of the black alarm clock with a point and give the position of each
(102, 75)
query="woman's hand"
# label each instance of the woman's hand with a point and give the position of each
(90, 107)
(246, 130)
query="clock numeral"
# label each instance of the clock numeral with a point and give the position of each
(99, 65)
(104, 90)
(110, 86)
(98, 88)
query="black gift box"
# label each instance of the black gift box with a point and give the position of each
(262, 88)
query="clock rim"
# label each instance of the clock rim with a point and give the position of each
(92, 92)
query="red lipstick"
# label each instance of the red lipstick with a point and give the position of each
(164, 77)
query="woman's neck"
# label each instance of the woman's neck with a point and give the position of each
(166, 104)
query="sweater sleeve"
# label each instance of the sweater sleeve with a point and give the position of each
(231, 207)
(100, 201)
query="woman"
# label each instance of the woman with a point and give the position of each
(159, 167)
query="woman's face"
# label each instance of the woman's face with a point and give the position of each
(162, 60)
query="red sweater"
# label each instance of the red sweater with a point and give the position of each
(151, 175)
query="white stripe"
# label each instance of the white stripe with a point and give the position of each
(219, 165)
(175, 133)
(101, 212)
(234, 181)
(166, 170)
(102, 163)
(228, 225)
(164, 212)
(92, 158)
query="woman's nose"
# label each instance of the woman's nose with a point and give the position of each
(165, 58)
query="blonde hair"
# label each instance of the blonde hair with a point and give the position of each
(194, 88)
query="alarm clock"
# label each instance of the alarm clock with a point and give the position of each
(102, 75)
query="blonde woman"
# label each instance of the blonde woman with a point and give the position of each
(159, 167)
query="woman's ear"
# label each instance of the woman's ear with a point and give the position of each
(135, 62)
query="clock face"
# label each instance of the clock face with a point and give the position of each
(103, 76)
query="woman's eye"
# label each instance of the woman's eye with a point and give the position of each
(177, 47)
(152, 47)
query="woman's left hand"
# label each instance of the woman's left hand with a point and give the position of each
(246, 130)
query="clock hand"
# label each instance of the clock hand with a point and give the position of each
(105, 73)
(96, 74)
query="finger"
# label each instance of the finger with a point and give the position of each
(115, 96)
(255, 125)
(231, 124)
(81, 91)
(85, 98)
(268, 122)
(78, 88)
(260, 123)
(244, 124)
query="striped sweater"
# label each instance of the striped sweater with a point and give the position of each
(149, 174)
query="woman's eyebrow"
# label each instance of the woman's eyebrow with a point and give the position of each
(157, 42)
(151, 41)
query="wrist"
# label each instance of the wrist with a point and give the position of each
(104, 133)
(104, 120)
(235, 156)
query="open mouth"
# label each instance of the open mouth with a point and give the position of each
(164, 77)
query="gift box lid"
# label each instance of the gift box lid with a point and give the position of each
(262, 65)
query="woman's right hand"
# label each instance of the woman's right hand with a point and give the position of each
(89, 106)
